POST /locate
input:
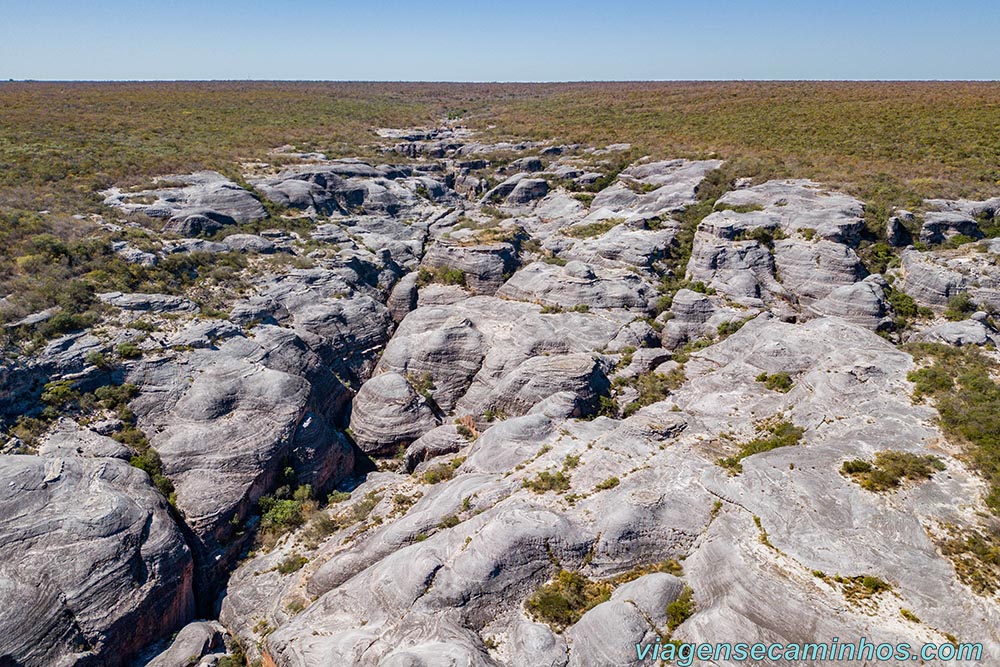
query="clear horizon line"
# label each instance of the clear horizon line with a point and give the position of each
(502, 81)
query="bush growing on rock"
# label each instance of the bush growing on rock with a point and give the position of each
(593, 229)
(781, 382)
(653, 387)
(609, 483)
(890, 469)
(778, 434)
(959, 307)
(441, 472)
(960, 383)
(680, 609)
(566, 599)
(547, 481)
(128, 351)
(440, 274)
(292, 563)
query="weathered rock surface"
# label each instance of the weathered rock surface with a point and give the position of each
(966, 332)
(578, 285)
(343, 187)
(389, 598)
(225, 421)
(154, 303)
(812, 270)
(195, 641)
(507, 386)
(663, 187)
(201, 202)
(92, 566)
(793, 205)
(862, 303)
(388, 413)
(938, 227)
(486, 266)
(928, 282)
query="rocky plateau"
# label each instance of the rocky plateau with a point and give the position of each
(459, 371)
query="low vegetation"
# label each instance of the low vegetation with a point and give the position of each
(960, 384)
(441, 472)
(593, 229)
(548, 481)
(680, 609)
(566, 599)
(781, 382)
(292, 563)
(776, 434)
(975, 552)
(858, 589)
(890, 469)
(652, 387)
(609, 483)
(960, 307)
(440, 274)
(563, 601)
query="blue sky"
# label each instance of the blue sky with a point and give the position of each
(500, 41)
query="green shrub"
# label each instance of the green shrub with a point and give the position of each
(547, 481)
(59, 393)
(609, 483)
(292, 563)
(862, 587)
(855, 467)
(653, 387)
(781, 382)
(338, 497)
(890, 469)
(441, 472)
(562, 602)
(593, 229)
(680, 609)
(440, 274)
(97, 359)
(128, 351)
(149, 461)
(779, 434)
(959, 307)
(766, 237)
(280, 515)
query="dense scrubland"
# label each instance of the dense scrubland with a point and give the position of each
(891, 144)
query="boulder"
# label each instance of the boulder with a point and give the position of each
(938, 227)
(152, 303)
(966, 332)
(928, 282)
(92, 566)
(388, 414)
(527, 190)
(863, 303)
(578, 285)
(811, 270)
(486, 266)
(207, 198)
(194, 641)
(248, 243)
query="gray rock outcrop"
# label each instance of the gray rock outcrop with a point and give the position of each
(388, 413)
(92, 566)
